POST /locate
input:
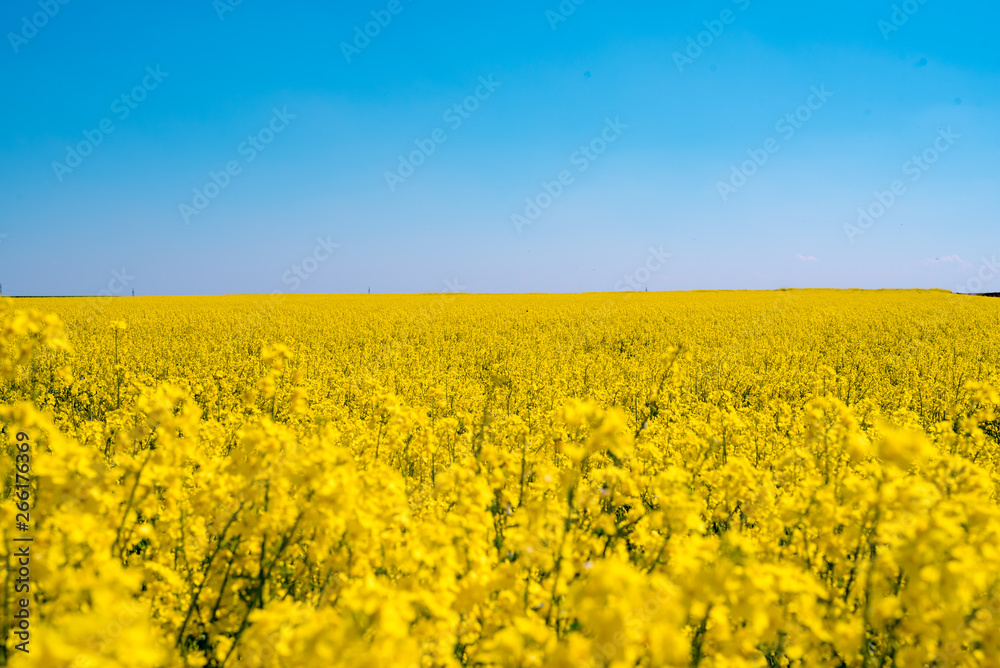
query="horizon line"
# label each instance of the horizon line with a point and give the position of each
(498, 294)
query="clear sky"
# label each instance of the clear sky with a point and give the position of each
(254, 147)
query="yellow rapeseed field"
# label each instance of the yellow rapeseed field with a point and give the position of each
(634, 479)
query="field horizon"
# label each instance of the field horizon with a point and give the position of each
(615, 292)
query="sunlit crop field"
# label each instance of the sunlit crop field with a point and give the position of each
(638, 479)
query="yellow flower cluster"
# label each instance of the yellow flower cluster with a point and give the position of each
(699, 479)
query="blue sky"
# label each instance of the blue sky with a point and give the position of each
(260, 148)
